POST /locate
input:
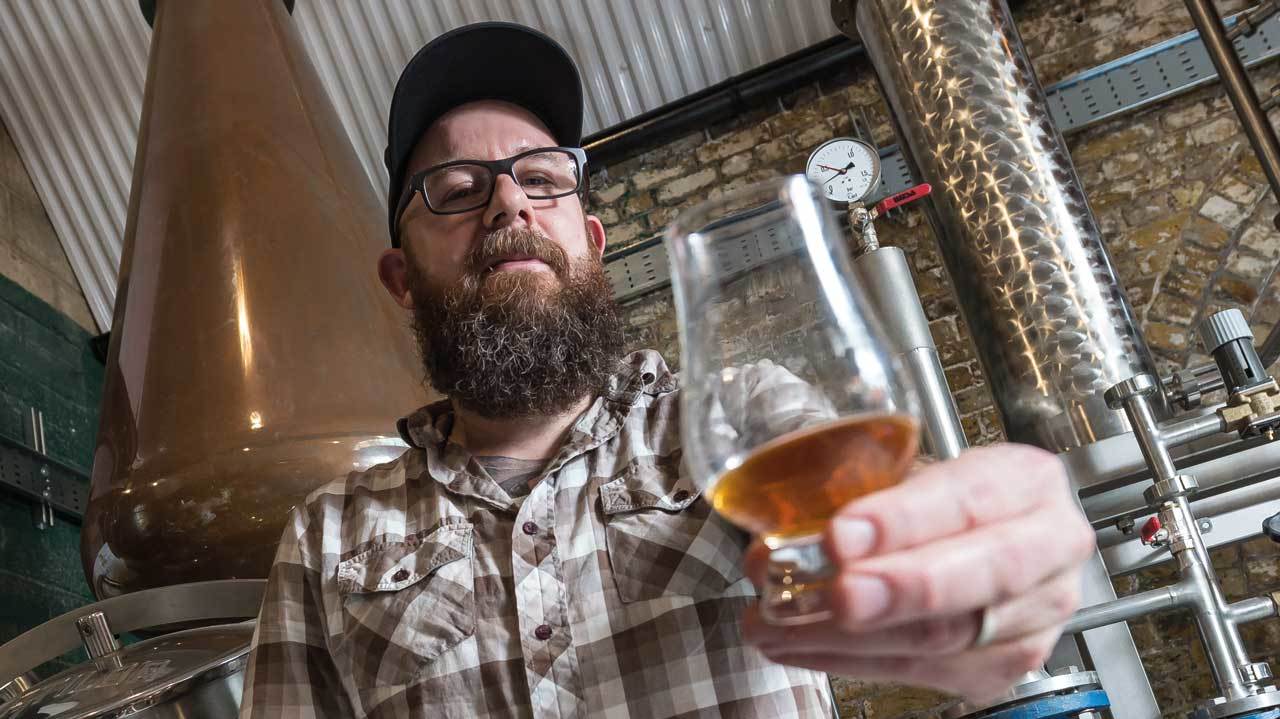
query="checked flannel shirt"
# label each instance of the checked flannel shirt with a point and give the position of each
(419, 588)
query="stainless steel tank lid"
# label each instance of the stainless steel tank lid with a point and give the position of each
(138, 676)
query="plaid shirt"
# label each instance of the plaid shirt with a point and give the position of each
(419, 588)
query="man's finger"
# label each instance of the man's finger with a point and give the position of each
(979, 675)
(980, 487)
(981, 568)
(1045, 607)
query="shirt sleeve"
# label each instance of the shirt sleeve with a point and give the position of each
(291, 672)
(763, 400)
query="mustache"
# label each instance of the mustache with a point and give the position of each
(522, 241)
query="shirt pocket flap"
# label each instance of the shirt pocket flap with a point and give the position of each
(393, 566)
(644, 488)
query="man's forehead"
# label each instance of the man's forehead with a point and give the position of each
(484, 130)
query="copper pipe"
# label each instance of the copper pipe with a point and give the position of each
(254, 355)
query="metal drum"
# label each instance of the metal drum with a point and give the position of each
(193, 673)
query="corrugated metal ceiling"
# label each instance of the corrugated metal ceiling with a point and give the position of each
(72, 73)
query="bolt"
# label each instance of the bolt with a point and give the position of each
(1206, 525)
(1125, 525)
(44, 471)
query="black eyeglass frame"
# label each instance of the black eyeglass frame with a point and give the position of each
(496, 168)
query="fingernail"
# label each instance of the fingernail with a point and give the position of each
(867, 597)
(853, 537)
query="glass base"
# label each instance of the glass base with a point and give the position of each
(798, 581)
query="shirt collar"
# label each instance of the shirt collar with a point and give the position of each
(641, 372)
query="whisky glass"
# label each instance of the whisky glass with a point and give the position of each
(791, 404)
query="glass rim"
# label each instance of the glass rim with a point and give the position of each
(712, 213)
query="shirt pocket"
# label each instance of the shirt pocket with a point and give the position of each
(406, 603)
(664, 540)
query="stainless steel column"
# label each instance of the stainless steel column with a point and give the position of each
(1051, 323)
(1033, 279)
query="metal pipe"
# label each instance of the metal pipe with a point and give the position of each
(943, 434)
(1125, 608)
(1163, 599)
(721, 101)
(1147, 431)
(1189, 430)
(1243, 97)
(885, 278)
(1223, 646)
(1252, 610)
(1270, 348)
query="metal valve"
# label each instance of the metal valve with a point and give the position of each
(863, 219)
(1253, 397)
(1154, 534)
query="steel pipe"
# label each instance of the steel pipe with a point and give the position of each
(1163, 599)
(885, 278)
(1235, 80)
(1186, 431)
(1125, 609)
(1252, 610)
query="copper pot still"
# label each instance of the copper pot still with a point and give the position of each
(254, 355)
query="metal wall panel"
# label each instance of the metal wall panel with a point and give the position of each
(72, 75)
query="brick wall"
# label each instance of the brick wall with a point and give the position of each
(1182, 204)
(45, 362)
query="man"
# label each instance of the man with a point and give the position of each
(539, 551)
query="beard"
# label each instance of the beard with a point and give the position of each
(518, 343)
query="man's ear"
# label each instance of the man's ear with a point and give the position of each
(393, 270)
(595, 234)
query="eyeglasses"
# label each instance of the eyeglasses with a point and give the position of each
(451, 188)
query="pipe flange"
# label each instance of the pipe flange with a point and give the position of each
(1222, 708)
(1139, 384)
(1075, 682)
(1166, 490)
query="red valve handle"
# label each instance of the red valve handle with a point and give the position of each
(903, 198)
(1149, 529)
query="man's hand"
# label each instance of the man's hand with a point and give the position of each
(917, 564)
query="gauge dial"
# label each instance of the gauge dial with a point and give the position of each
(847, 170)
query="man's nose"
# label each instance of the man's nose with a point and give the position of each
(508, 206)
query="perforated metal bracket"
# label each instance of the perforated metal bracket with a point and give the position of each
(26, 471)
(1130, 83)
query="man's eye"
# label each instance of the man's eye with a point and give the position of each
(458, 193)
(535, 180)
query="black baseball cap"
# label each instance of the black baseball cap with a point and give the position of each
(482, 61)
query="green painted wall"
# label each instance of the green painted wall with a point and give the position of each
(45, 362)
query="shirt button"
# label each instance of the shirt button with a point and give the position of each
(400, 575)
(543, 632)
(648, 377)
(530, 528)
(680, 496)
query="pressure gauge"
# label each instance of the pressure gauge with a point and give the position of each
(846, 169)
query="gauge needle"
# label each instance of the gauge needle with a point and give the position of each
(837, 171)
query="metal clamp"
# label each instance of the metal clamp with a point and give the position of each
(1164, 490)
(1139, 385)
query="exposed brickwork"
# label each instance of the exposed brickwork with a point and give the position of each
(1183, 208)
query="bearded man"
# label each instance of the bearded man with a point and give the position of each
(539, 551)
